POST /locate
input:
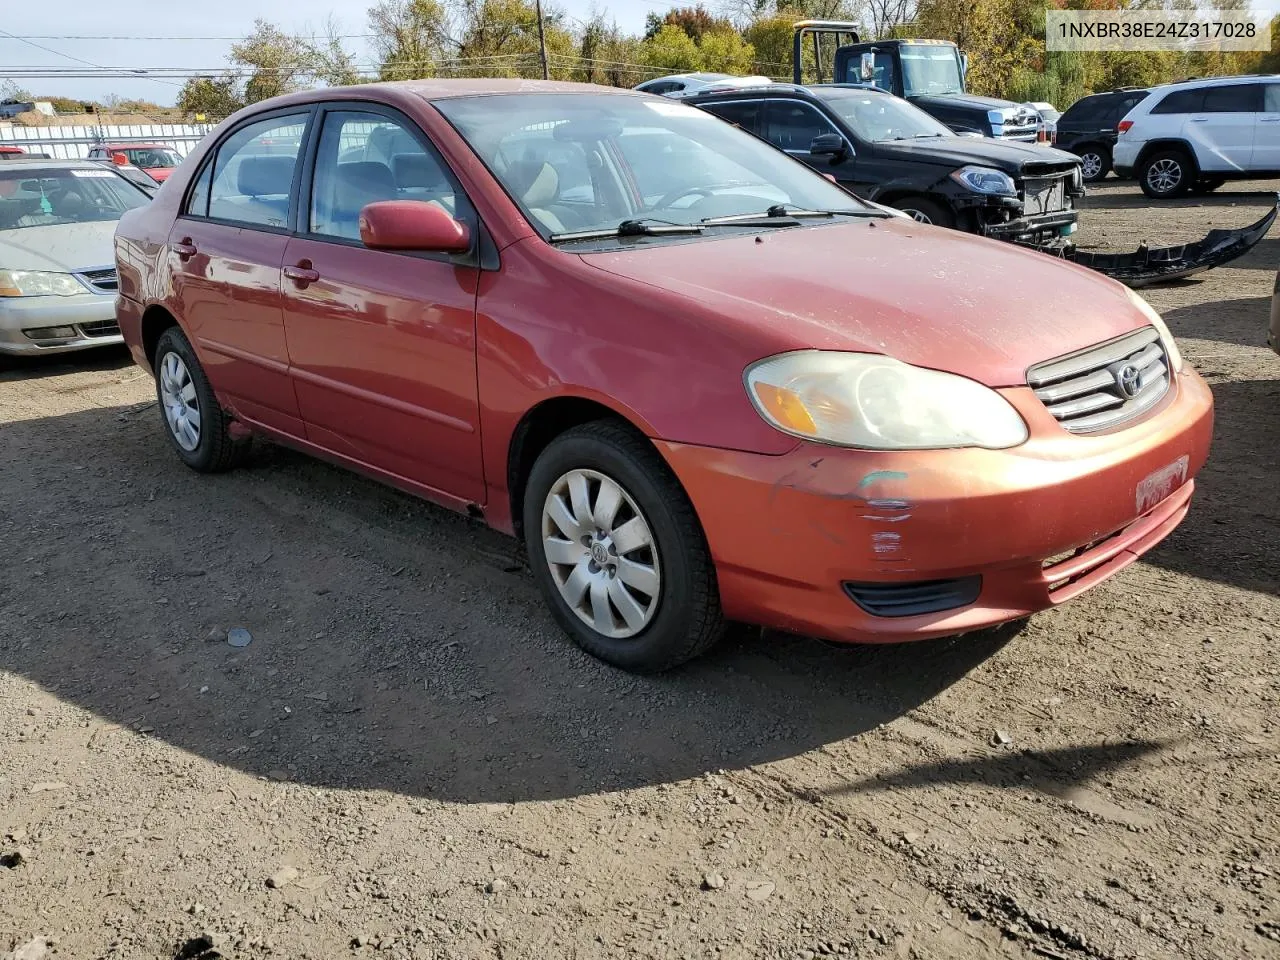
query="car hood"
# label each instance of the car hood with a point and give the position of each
(964, 100)
(925, 295)
(60, 247)
(1009, 156)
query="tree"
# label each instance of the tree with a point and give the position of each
(410, 37)
(10, 92)
(696, 21)
(724, 51)
(279, 62)
(671, 50)
(607, 55)
(331, 63)
(213, 97)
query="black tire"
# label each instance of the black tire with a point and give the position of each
(1173, 173)
(1095, 162)
(687, 620)
(216, 449)
(1208, 184)
(924, 210)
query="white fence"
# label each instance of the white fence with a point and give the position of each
(73, 143)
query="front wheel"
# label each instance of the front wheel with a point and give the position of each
(1166, 174)
(618, 552)
(924, 210)
(197, 427)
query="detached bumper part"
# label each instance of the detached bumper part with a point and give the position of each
(1148, 265)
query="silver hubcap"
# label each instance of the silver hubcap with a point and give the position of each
(181, 406)
(917, 215)
(1090, 164)
(1164, 175)
(601, 553)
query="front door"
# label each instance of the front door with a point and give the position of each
(225, 252)
(383, 344)
(792, 125)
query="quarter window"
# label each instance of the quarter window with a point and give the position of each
(253, 172)
(1272, 100)
(366, 158)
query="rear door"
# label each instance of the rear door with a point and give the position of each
(1266, 138)
(741, 113)
(225, 251)
(1222, 132)
(383, 344)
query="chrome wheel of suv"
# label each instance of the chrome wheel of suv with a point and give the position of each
(601, 553)
(181, 405)
(1168, 173)
(1164, 175)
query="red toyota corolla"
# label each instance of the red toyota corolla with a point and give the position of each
(700, 380)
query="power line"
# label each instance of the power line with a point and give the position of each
(67, 56)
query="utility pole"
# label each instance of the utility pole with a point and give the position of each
(542, 44)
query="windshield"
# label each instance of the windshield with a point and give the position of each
(876, 117)
(151, 158)
(40, 198)
(930, 70)
(579, 162)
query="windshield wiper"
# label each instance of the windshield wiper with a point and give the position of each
(780, 215)
(629, 228)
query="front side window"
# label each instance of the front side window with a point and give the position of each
(367, 158)
(59, 195)
(1236, 98)
(631, 151)
(792, 125)
(875, 117)
(253, 172)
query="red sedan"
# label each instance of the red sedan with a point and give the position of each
(698, 379)
(155, 159)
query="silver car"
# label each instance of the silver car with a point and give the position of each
(57, 273)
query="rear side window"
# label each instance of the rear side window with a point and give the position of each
(1236, 98)
(1088, 110)
(1181, 101)
(253, 172)
(741, 113)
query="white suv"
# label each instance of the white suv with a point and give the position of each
(1199, 134)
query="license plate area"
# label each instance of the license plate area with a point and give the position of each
(1159, 484)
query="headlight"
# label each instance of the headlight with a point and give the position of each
(1170, 345)
(37, 283)
(985, 180)
(879, 403)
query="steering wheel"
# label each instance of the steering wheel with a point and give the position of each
(680, 193)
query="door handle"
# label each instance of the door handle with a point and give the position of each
(1269, 119)
(1199, 120)
(185, 249)
(302, 274)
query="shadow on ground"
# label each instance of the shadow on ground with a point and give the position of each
(115, 357)
(393, 645)
(1242, 321)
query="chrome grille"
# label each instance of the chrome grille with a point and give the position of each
(1105, 385)
(103, 280)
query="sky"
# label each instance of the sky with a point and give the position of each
(72, 34)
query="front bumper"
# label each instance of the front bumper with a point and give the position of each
(788, 533)
(91, 318)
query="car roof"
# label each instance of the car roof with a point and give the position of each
(20, 163)
(441, 89)
(1216, 81)
(109, 145)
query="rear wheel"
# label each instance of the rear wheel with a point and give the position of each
(924, 210)
(617, 550)
(197, 427)
(1095, 163)
(1166, 174)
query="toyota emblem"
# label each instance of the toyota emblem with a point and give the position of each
(1129, 380)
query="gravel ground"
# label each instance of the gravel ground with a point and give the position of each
(410, 761)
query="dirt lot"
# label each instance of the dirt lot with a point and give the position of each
(409, 761)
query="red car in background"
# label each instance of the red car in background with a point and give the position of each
(697, 378)
(155, 159)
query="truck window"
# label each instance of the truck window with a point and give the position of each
(930, 70)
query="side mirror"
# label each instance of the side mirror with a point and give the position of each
(120, 159)
(412, 225)
(828, 145)
(868, 66)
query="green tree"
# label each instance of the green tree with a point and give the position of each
(212, 97)
(724, 51)
(278, 62)
(410, 37)
(671, 50)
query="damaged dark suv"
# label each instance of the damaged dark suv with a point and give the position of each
(883, 149)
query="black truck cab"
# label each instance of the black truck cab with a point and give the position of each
(929, 73)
